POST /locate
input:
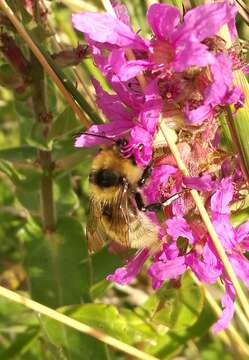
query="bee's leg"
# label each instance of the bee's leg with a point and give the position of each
(139, 201)
(156, 206)
(144, 208)
(146, 175)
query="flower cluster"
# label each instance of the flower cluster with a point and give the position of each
(187, 81)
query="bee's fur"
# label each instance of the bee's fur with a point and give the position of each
(113, 181)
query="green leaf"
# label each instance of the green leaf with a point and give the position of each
(182, 306)
(27, 180)
(21, 344)
(57, 264)
(240, 216)
(104, 317)
(140, 329)
(75, 345)
(213, 349)
(24, 110)
(64, 124)
(8, 169)
(9, 77)
(15, 316)
(176, 308)
(29, 201)
(37, 139)
(171, 342)
(67, 157)
(98, 289)
(52, 97)
(71, 344)
(64, 196)
(103, 264)
(226, 139)
(17, 154)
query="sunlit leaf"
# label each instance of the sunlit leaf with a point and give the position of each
(57, 264)
(65, 123)
(21, 344)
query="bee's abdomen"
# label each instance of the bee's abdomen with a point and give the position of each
(105, 178)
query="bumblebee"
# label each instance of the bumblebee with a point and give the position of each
(117, 212)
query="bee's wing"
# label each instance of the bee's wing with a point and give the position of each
(95, 232)
(121, 219)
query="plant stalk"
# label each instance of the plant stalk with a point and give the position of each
(42, 59)
(42, 115)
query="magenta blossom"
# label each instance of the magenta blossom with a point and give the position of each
(127, 273)
(187, 73)
(175, 50)
(219, 92)
(202, 258)
(139, 123)
(175, 46)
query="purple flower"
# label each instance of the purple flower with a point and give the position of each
(206, 265)
(233, 240)
(121, 118)
(127, 273)
(189, 74)
(175, 46)
(120, 111)
(219, 92)
(228, 307)
(169, 269)
(200, 183)
(104, 28)
(159, 176)
(177, 227)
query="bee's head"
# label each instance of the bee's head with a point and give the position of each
(111, 170)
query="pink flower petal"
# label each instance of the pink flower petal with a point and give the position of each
(111, 105)
(122, 13)
(171, 269)
(163, 19)
(205, 272)
(197, 116)
(240, 265)
(139, 136)
(228, 308)
(113, 131)
(159, 176)
(222, 75)
(222, 197)
(193, 54)
(242, 232)
(152, 108)
(177, 227)
(202, 183)
(204, 21)
(132, 68)
(104, 28)
(127, 273)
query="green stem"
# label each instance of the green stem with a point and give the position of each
(236, 142)
(39, 99)
(47, 199)
(93, 115)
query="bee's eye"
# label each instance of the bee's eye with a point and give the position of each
(105, 178)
